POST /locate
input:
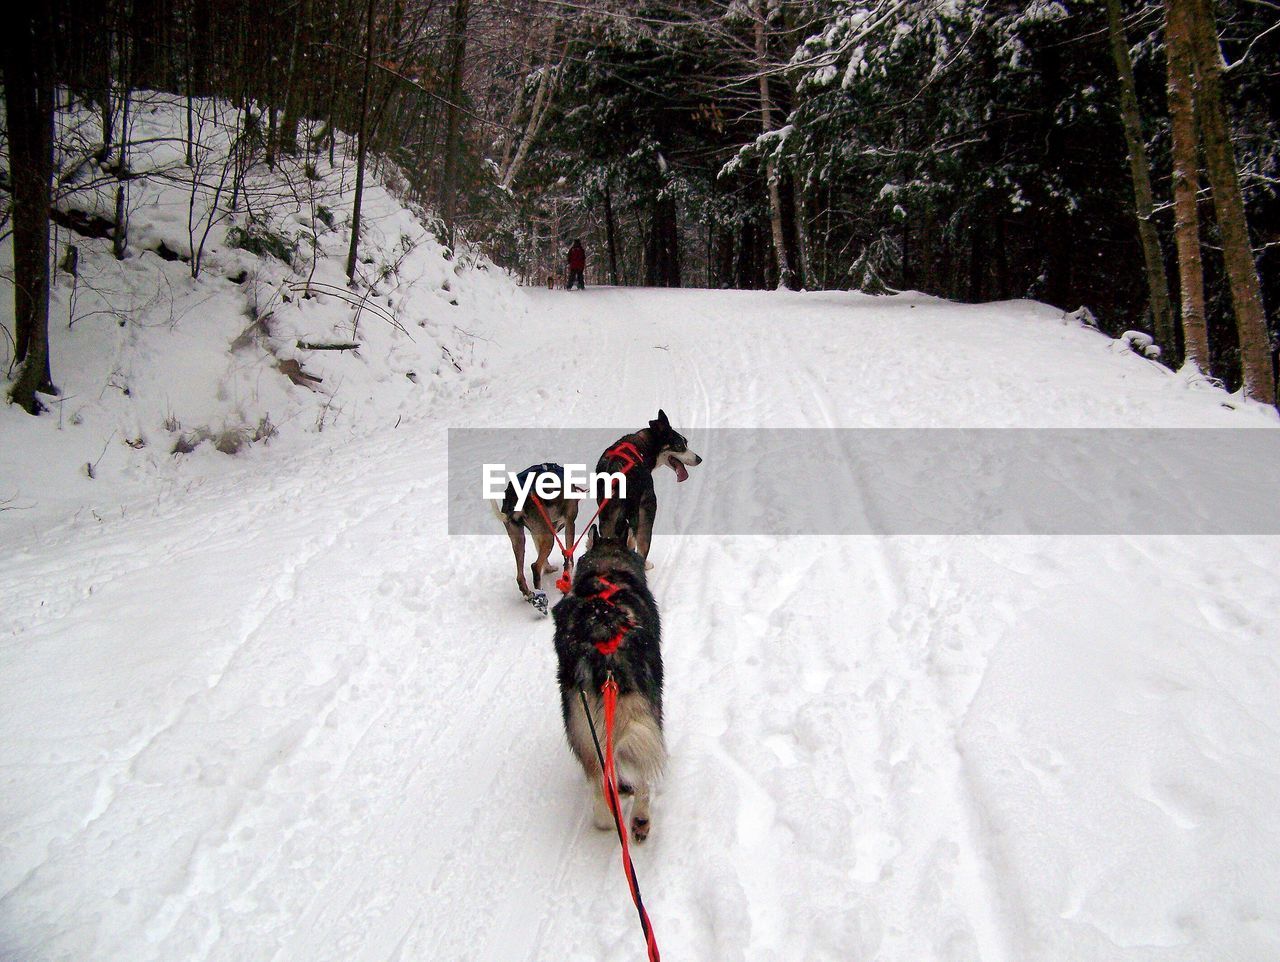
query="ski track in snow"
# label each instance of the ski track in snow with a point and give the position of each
(282, 715)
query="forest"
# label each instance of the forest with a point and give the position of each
(936, 340)
(1114, 157)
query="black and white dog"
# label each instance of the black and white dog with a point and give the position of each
(563, 512)
(608, 626)
(639, 455)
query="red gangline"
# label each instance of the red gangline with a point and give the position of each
(610, 776)
(626, 451)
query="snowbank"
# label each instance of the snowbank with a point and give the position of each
(160, 371)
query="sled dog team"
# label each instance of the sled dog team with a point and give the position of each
(607, 624)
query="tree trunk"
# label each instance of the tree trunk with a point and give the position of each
(662, 249)
(611, 232)
(537, 113)
(270, 154)
(555, 261)
(288, 131)
(1228, 204)
(28, 92)
(362, 147)
(785, 276)
(238, 147)
(189, 80)
(453, 123)
(120, 238)
(747, 277)
(1140, 171)
(652, 253)
(806, 278)
(978, 247)
(908, 265)
(1186, 183)
(1002, 258)
(508, 141)
(149, 43)
(675, 277)
(928, 267)
(105, 94)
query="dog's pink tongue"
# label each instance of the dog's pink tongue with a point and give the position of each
(681, 471)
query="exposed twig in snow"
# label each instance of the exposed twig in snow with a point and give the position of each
(89, 467)
(6, 504)
(339, 346)
(305, 288)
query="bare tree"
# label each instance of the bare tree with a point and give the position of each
(1186, 182)
(1228, 203)
(453, 121)
(204, 212)
(785, 276)
(362, 148)
(1140, 172)
(29, 100)
(547, 80)
(287, 132)
(611, 234)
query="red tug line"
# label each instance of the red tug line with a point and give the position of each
(626, 452)
(630, 456)
(610, 779)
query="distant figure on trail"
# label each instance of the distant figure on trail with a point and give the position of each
(577, 264)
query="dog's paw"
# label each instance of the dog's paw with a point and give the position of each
(539, 600)
(639, 828)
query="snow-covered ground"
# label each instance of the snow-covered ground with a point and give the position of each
(150, 358)
(264, 707)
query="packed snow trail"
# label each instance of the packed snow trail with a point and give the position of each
(280, 714)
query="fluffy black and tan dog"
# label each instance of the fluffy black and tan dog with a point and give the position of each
(563, 512)
(608, 625)
(631, 518)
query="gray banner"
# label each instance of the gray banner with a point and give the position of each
(920, 481)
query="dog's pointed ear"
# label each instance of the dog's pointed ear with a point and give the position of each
(660, 422)
(592, 533)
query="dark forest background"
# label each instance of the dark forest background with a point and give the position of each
(971, 150)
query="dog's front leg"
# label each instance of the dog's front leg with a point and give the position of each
(571, 516)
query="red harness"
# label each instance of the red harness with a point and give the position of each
(625, 452)
(606, 595)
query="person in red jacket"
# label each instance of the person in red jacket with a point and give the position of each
(577, 264)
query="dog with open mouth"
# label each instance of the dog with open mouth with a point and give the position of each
(638, 455)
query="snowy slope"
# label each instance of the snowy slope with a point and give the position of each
(274, 712)
(150, 359)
